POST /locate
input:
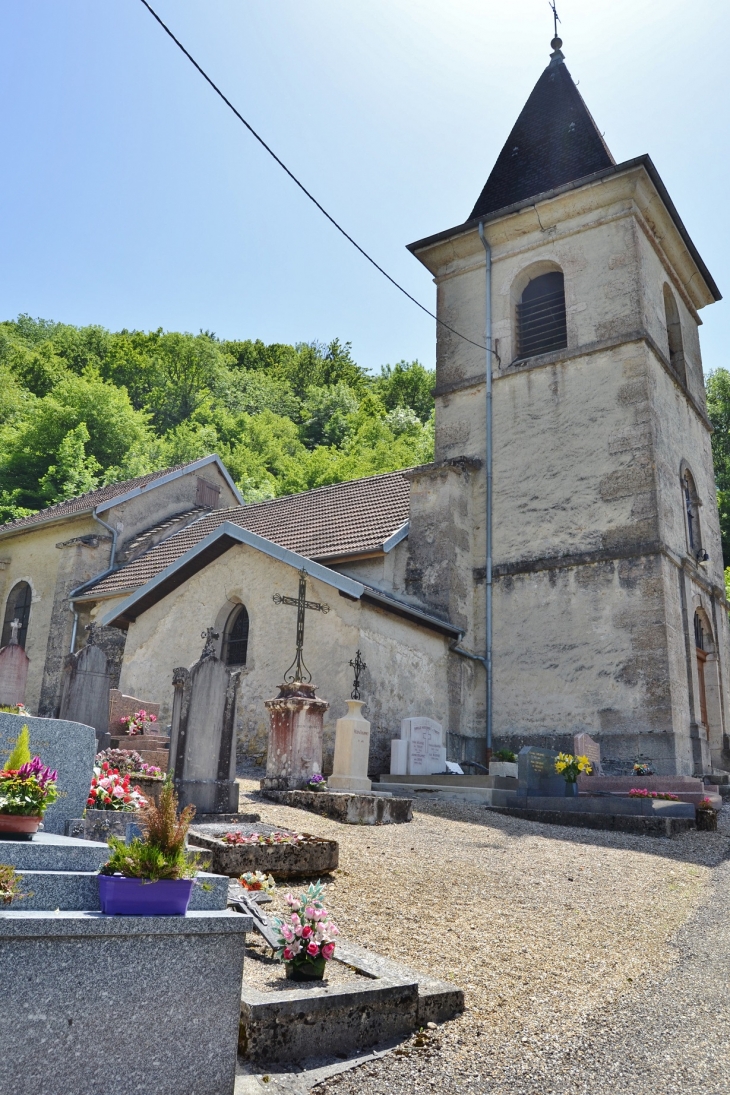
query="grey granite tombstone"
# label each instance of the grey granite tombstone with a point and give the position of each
(66, 746)
(536, 772)
(202, 746)
(86, 683)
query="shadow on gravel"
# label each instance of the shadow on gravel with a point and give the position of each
(697, 847)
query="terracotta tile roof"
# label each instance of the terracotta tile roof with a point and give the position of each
(554, 141)
(84, 503)
(325, 523)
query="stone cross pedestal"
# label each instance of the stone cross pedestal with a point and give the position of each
(202, 741)
(14, 664)
(296, 719)
(352, 751)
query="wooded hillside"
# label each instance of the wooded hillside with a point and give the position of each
(83, 406)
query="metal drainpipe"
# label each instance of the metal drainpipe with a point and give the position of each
(98, 577)
(488, 468)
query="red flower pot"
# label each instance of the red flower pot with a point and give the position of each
(120, 896)
(19, 824)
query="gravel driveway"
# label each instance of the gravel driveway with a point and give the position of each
(591, 962)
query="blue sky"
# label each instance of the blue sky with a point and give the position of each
(130, 196)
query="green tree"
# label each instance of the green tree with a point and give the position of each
(718, 408)
(76, 471)
(406, 385)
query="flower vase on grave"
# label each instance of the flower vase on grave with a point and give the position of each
(306, 969)
(571, 788)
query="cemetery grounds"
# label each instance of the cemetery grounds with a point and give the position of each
(574, 948)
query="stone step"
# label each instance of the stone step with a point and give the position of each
(51, 852)
(656, 825)
(79, 890)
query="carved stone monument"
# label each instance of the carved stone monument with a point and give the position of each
(86, 682)
(202, 745)
(14, 664)
(352, 742)
(585, 746)
(420, 750)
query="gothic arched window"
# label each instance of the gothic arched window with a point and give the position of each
(235, 638)
(692, 510)
(674, 333)
(541, 323)
(17, 608)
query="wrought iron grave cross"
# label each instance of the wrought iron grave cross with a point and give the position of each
(358, 665)
(300, 671)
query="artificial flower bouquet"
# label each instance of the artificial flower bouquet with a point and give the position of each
(258, 881)
(27, 786)
(317, 782)
(129, 762)
(641, 792)
(570, 767)
(112, 790)
(307, 936)
(237, 837)
(135, 723)
(643, 768)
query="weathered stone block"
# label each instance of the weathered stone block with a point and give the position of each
(350, 809)
(311, 857)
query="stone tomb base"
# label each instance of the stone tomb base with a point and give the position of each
(309, 858)
(308, 1021)
(179, 976)
(348, 807)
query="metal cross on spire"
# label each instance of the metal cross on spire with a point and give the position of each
(300, 671)
(556, 17)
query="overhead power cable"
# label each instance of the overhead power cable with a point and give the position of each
(301, 185)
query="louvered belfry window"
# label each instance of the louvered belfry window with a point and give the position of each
(541, 323)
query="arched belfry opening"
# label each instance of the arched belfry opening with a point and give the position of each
(235, 637)
(17, 607)
(541, 321)
(692, 513)
(674, 334)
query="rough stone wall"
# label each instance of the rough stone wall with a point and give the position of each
(407, 665)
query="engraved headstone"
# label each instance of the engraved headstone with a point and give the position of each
(66, 746)
(352, 751)
(536, 772)
(14, 664)
(202, 746)
(85, 693)
(426, 751)
(585, 746)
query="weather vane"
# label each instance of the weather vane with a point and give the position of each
(556, 17)
(358, 665)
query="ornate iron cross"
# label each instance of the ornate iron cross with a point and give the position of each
(358, 665)
(300, 671)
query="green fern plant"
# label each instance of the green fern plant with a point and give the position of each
(161, 852)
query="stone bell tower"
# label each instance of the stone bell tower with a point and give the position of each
(609, 606)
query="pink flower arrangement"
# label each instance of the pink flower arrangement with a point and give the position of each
(237, 837)
(637, 792)
(128, 761)
(135, 723)
(309, 933)
(111, 791)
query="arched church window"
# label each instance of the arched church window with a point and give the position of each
(235, 639)
(541, 323)
(674, 333)
(701, 652)
(692, 510)
(17, 607)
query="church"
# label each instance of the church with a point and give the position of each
(609, 607)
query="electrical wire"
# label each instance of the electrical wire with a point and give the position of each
(301, 185)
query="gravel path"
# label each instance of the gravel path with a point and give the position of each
(591, 961)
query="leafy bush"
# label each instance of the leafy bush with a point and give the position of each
(506, 756)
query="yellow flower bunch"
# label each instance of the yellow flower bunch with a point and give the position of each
(569, 766)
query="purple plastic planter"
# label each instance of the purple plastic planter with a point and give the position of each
(120, 896)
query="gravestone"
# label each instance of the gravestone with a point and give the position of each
(352, 751)
(85, 693)
(120, 706)
(66, 746)
(421, 748)
(536, 772)
(202, 746)
(14, 664)
(585, 746)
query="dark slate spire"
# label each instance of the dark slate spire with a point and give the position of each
(554, 141)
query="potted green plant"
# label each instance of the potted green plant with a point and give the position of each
(570, 767)
(503, 763)
(27, 789)
(307, 936)
(154, 875)
(317, 782)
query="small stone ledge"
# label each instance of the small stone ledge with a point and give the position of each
(620, 823)
(347, 807)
